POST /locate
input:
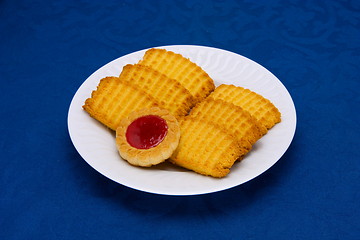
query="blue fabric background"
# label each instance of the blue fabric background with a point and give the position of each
(48, 48)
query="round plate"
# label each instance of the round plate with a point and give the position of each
(96, 144)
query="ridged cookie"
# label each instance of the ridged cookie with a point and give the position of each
(175, 66)
(233, 118)
(115, 99)
(206, 148)
(258, 106)
(175, 97)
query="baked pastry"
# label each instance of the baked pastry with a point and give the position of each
(147, 137)
(206, 148)
(177, 67)
(115, 99)
(234, 119)
(258, 106)
(174, 96)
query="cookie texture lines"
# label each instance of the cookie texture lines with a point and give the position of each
(205, 148)
(233, 118)
(175, 66)
(174, 96)
(114, 100)
(258, 106)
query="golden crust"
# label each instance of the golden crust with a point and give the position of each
(175, 97)
(177, 67)
(206, 148)
(151, 156)
(258, 106)
(234, 119)
(114, 99)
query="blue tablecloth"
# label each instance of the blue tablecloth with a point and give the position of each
(48, 48)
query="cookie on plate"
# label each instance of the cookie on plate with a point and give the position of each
(177, 67)
(206, 148)
(115, 99)
(234, 119)
(147, 137)
(258, 106)
(175, 97)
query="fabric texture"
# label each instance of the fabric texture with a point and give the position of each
(49, 48)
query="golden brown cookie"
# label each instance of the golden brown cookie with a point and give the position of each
(177, 67)
(175, 97)
(147, 137)
(258, 106)
(115, 99)
(206, 148)
(234, 119)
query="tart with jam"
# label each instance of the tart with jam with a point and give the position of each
(147, 137)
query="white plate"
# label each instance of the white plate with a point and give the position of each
(96, 144)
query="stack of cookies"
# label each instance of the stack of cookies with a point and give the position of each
(238, 114)
(177, 88)
(218, 125)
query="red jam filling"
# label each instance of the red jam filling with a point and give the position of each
(146, 132)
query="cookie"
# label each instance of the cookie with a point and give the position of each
(177, 67)
(175, 97)
(206, 148)
(259, 107)
(147, 137)
(115, 99)
(234, 119)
